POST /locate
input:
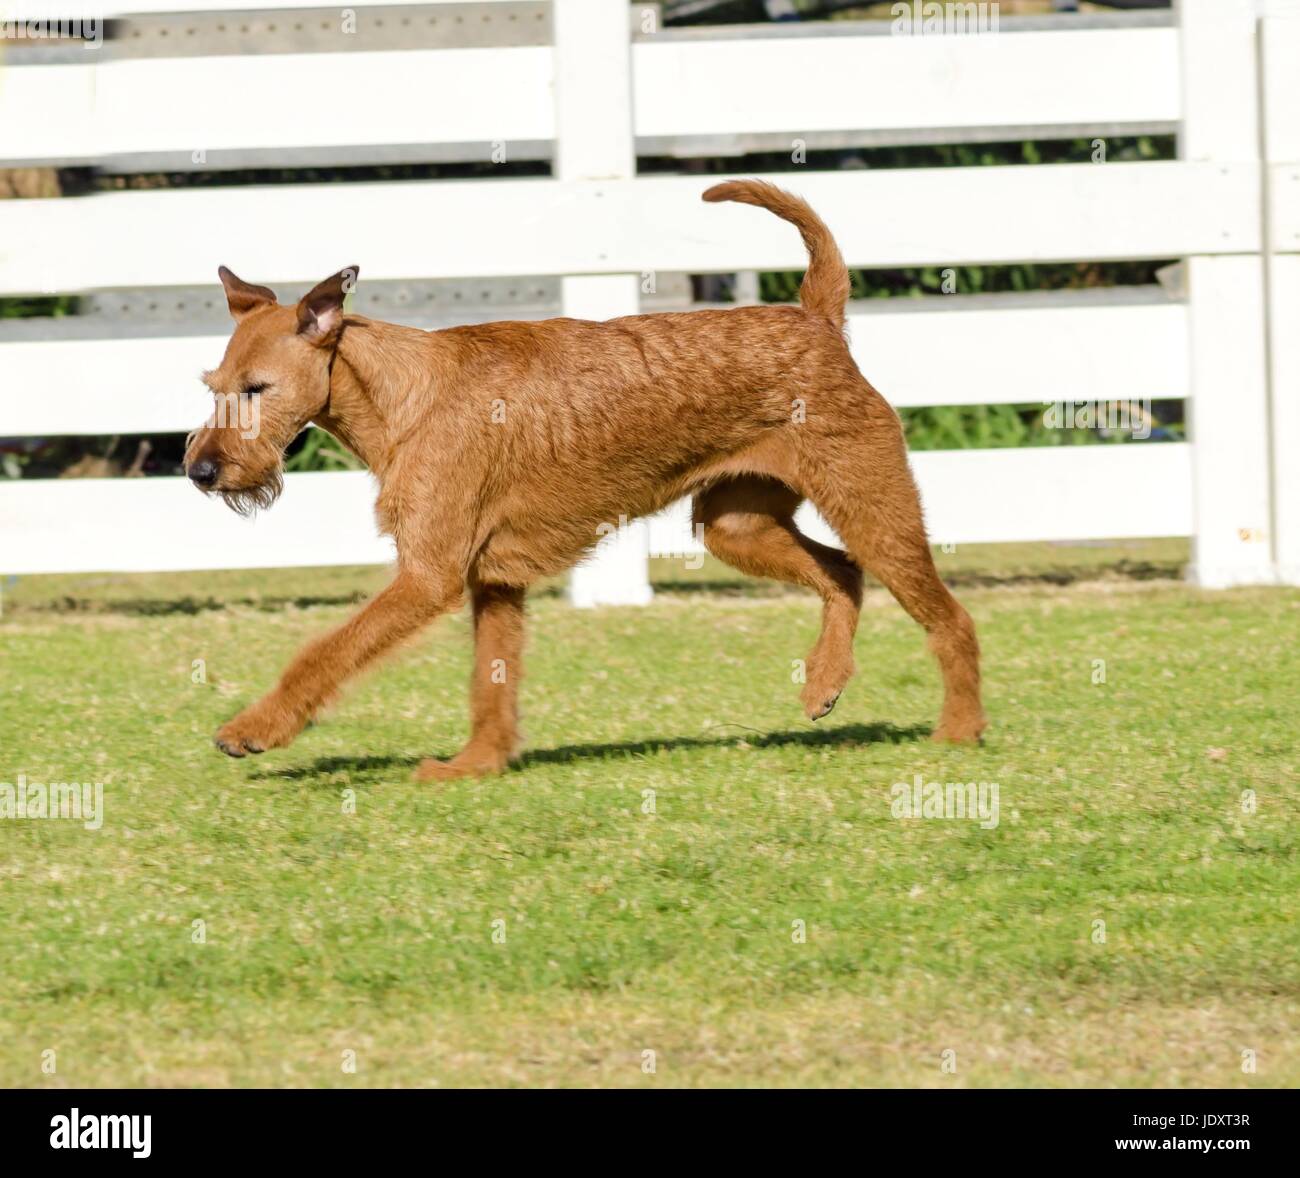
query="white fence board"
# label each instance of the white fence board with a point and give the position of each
(417, 96)
(106, 386)
(849, 83)
(1074, 493)
(64, 96)
(682, 87)
(31, 9)
(145, 7)
(158, 105)
(1284, 284)
(1227, 311)
(593, 103)
(971, 496)
(948, 216)
(136, 525)
(1280, 65)
(1023, 354)
(1284, 209)
(978, 497)
(988, 355)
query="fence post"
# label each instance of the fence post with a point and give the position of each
(594, 140)
(1228, 410)
(1279, 39)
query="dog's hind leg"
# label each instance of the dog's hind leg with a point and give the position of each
(748, 522)
(867, 494)
(494, 688)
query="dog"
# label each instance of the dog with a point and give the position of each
(501, 449)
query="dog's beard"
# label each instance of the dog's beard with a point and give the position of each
(248, 501)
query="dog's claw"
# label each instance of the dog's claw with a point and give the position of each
(826, 708)
(238, 748)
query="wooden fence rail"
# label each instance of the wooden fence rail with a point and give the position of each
(189, 85)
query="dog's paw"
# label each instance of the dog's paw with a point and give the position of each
(461, 765)
(233, 746)
(963, 731)
(255, 730)
(815, 711)
(828, 674)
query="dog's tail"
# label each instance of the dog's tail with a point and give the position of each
(825, 287)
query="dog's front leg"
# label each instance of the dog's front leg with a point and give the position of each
(314, 677)
(494, 689)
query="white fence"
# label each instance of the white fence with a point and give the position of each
(591, 84)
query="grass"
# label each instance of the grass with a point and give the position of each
(635, 885)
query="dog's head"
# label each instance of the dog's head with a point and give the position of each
(273, 379)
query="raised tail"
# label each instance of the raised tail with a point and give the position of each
(825, 287)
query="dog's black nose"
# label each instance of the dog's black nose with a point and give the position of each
(203, 473)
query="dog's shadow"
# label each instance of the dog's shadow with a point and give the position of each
(569, 754)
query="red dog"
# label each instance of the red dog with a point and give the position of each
(501, 449)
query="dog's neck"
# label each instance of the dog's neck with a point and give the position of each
(377, 366)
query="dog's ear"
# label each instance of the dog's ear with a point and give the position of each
(243, 297)
(320, 312)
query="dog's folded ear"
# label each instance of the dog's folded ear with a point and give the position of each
(320, 311)
(243, 297)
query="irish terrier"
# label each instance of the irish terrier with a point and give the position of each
(501, 449)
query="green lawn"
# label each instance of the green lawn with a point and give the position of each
(635, 885)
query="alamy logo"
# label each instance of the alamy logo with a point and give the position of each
(81, 1130)
(953, 799)
(235, 412)
(88, 30)
(953, 18)
(664, 543)
(1132, 416)
(80, 801)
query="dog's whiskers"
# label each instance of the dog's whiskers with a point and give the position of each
(248, 501)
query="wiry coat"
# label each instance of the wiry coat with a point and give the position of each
(504, 451)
